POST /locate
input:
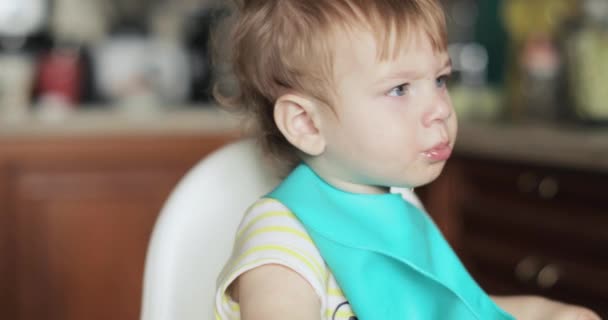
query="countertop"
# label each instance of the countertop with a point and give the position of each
(542, 144)
(574, 147)
(206, 119)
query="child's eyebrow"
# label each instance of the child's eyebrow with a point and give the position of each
(411, 74)
(400, 74)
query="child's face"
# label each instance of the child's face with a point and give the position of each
(394, 124)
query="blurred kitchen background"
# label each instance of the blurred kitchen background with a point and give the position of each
(105, 104)
(72, 55)
(540, 61)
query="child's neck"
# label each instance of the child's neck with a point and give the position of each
(344, 185)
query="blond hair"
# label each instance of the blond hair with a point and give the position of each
(287, 44)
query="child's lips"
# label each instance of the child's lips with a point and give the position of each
(440, 152)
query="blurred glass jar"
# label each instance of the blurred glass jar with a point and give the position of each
(15, 86)
(586, 53)
(20, 22)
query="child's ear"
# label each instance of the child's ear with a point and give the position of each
(299, 119)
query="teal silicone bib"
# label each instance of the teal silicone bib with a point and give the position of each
(387, 255)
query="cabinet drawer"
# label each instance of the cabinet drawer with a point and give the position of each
(567, 235)
(571, 223)
(504, 268)
(584, 190)
(537, 230)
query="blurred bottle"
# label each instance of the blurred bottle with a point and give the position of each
(586, 53)
(534, 61)
(80, 24)
(64, 73)
(22, 37)
(540, 86)
(59, 79)
(16, 77)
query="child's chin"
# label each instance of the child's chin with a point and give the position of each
(433, 174)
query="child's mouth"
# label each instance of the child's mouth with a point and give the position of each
(440, 152)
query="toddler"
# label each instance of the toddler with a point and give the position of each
(352, 96)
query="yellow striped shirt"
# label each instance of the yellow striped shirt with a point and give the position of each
(270, 234)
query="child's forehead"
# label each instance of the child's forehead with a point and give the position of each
(363, 46)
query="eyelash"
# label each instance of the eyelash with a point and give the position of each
(441, 81)
(444, 79)
(402, 87)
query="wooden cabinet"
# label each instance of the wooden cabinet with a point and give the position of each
(76, 216)
(521, 227)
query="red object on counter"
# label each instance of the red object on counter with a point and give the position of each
(60, 75)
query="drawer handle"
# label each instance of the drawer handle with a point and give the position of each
(548, 276)
(527, 268)
(548, 188)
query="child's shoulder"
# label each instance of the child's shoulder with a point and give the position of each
(270, 231)
(270, 222)
(267, 211)
(263, 205)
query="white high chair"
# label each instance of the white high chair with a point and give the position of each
(193, 235)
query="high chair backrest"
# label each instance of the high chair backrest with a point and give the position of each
(194, 233)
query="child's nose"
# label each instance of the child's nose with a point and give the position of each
(439, 109)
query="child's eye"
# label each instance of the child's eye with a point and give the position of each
(398, 91)
(442, 81)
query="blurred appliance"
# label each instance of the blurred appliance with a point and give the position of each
(139, 72)
(142, 64)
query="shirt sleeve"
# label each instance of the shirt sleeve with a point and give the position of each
(270, 234)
